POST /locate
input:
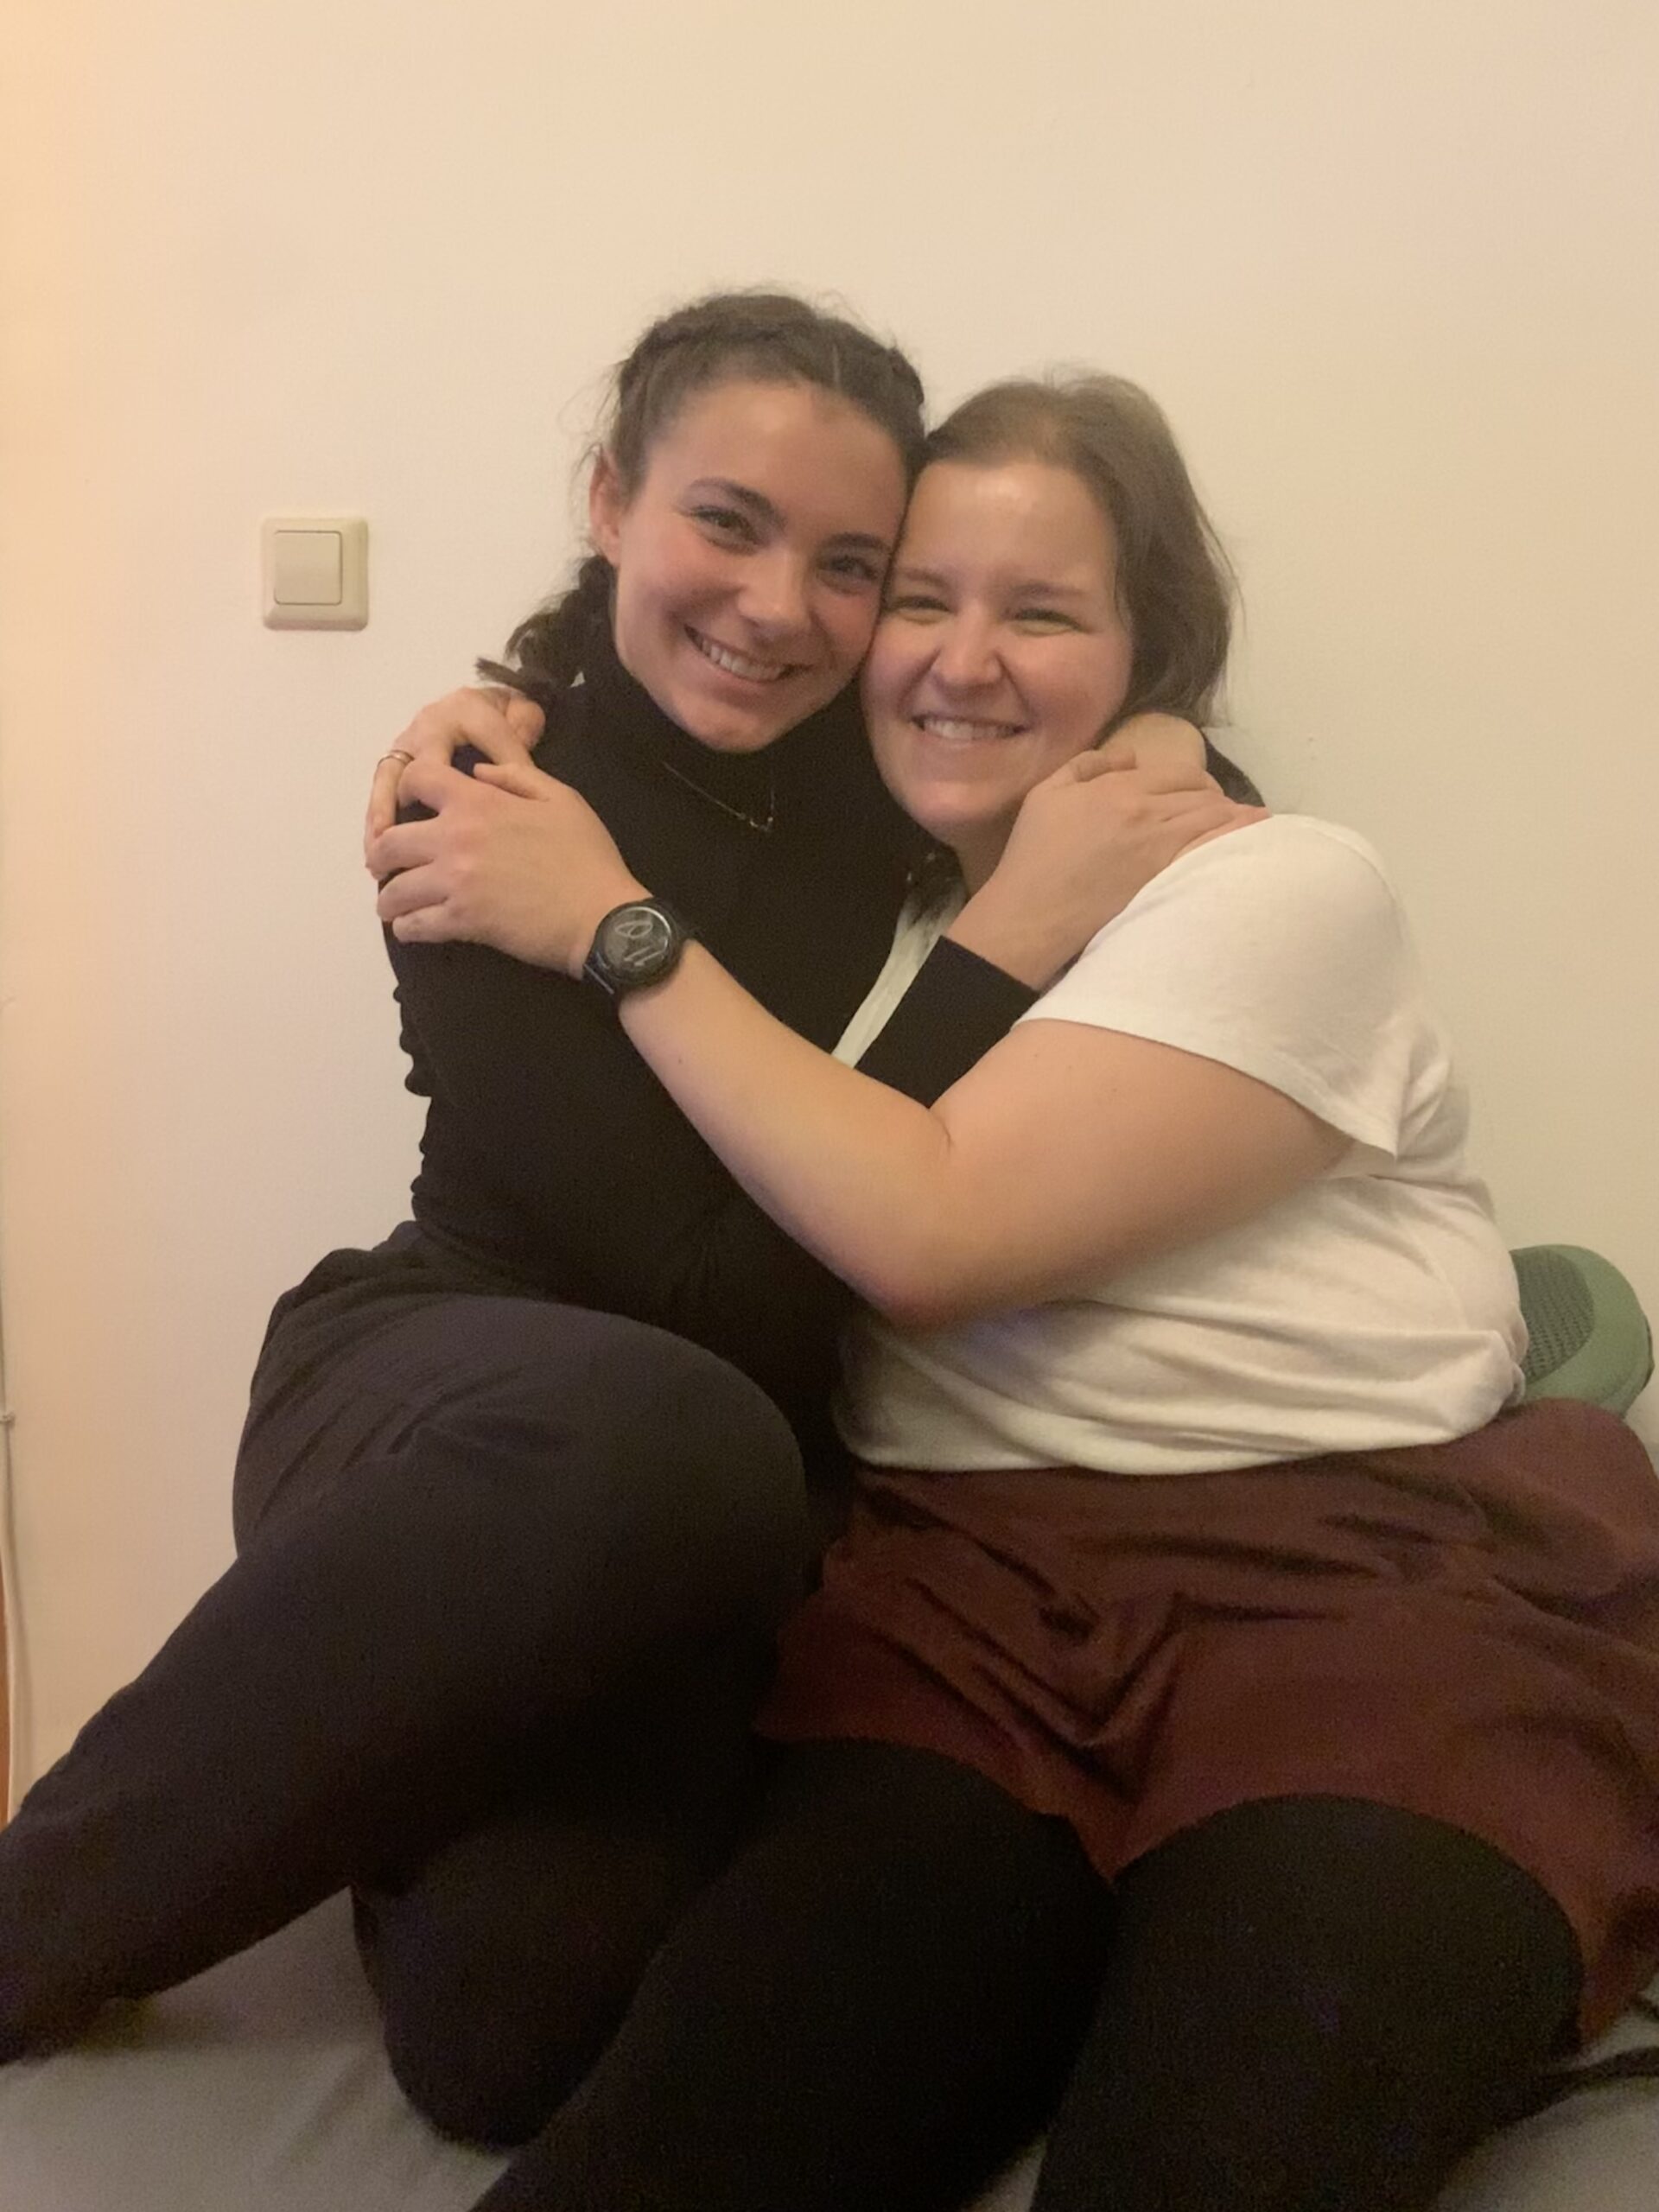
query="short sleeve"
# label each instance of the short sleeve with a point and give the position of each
(1279, 950)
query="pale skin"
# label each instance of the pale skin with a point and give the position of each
(1069, 1153)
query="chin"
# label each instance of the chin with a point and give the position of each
(728, 733)
(728, 725)
(947, 824)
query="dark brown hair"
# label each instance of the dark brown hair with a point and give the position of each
(766, 337)
(1174, 582)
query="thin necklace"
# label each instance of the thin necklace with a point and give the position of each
(762, 823)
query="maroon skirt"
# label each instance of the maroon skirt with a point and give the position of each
(1469, 1631)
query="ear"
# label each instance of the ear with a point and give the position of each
(606, 507)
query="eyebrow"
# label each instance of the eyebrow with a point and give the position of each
(757, 504)
(1022, 588)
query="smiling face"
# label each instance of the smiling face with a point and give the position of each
(1001, 652)
(750, 557)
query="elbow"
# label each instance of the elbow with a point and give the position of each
(925, 1263)
(918, 1292)
(911, 1316)
(920, 1314)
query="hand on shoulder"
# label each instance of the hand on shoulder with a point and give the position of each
(1164, 751)
(501, 724)
(508, 857)
(1088, 838)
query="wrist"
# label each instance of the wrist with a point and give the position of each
(623, 890)
(636, 946)
(1024, 944)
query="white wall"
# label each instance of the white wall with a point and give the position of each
(1390, 266)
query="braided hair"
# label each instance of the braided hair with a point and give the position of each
(766, 337)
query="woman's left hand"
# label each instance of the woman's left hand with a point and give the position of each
(511, 858)
(1085, 840)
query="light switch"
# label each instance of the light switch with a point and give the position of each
(305, 568)
(316, 572)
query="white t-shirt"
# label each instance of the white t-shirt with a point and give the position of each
(1374, 1307)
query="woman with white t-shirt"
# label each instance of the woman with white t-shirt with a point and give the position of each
(1202, 1606)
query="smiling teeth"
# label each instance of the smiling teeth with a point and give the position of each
(957, 731)
(758, 671)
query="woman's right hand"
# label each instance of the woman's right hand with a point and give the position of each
(1086, 839)
(502, 724)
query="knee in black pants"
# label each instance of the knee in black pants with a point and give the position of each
(505, 1959)
(517, 1515)
(652, 1494)
(506, 1963)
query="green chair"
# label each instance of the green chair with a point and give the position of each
(1588, 1336)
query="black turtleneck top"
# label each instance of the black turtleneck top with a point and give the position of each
(553, 1163)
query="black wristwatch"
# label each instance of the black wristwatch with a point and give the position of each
(634, 945)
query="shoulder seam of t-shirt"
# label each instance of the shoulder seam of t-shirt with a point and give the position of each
(1215, 853)
(1303, 828)
(1205, 1031)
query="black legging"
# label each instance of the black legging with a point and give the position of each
(1304, 2005)
(509, 1577)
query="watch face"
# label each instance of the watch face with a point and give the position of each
(633, 944)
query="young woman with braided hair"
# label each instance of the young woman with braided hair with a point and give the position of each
(519, 1503)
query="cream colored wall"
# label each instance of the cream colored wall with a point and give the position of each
(1391, 267)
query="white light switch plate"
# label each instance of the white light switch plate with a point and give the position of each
(317, 571)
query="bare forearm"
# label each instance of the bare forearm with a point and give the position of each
(853, 1172)
(1070, 1152)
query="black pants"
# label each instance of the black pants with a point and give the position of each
(1304, 2005)
(508, 1578)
